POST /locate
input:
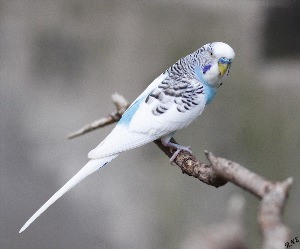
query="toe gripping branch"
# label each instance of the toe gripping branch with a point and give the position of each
(177, 147)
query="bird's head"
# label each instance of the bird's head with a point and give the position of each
(218, 58)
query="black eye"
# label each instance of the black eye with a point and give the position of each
(211, 53)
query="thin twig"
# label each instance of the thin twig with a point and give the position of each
(121, 106)
(239, 175)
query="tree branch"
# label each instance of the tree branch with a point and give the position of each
(271, 209)
(273, 196)
(121, 106)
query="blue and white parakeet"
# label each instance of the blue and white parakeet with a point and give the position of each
(170, 103)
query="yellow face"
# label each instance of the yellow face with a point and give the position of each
(220, 57)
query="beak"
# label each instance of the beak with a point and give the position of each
(223, 68)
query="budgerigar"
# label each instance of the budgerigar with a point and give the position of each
(171, 102)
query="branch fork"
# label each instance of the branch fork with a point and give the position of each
(273, 195)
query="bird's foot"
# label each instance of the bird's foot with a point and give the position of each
(166, 142)
(178, 148)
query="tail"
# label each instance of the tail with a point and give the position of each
(92, 166)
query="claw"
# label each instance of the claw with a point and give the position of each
(179, 148)
(166, 142)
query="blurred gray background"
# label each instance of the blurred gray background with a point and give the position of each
(60, 61)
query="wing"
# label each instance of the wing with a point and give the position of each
(165, 106)
(171, 106)
(149, 89)
(120, 138)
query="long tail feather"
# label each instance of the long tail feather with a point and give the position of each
(92, 166)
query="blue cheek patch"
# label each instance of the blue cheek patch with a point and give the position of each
(127, 116)
(206, 68)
